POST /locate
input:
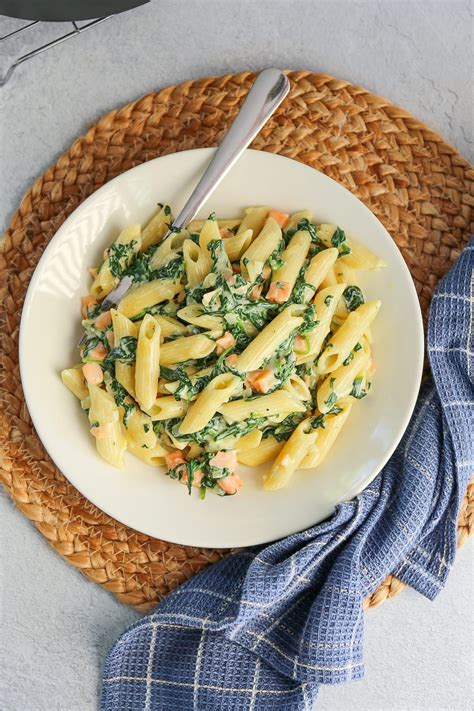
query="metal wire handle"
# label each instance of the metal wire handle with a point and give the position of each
(39, 50)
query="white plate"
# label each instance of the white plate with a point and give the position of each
(143, 497)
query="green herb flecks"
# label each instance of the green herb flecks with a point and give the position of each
(329, 402)
(125, 352)
(353, 297)
(285, 429)
(357, 390)
(275, 261)
(122, 398)
(119, 256)
(220, 260)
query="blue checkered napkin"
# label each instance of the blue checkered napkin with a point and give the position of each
(264, 628)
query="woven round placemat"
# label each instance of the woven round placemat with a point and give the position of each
(416, 184)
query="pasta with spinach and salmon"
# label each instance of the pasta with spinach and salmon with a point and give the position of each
(240, 341)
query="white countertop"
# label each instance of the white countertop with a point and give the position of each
(55, 626)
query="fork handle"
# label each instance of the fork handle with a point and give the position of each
(270, 88)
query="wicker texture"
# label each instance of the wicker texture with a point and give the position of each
(416, 184)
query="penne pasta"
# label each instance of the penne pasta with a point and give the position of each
(268, 340)
(106, 426)
(319, 267)
(333, 425)
(265, 452)
(167, 407)
(188, 348)
(325, 302)
(197, 225)
(147, 370)
(118, 257)
(297, 388)
(294, 220)
(196, 263)
(254, 220)
(155, 456)
(330, 278)
(248, 441)
(215, 394)
(168, 249)
(362, 258)
(124, 372)
(146, 295)
(73, 379)
(255, 256)
(157, 227)
(195, 314)
(139, 430)
(344, 340)
(339, 383)
(293, 259)
(209, 233)
(235, 245)
(170, 327)
(278, 402)
(291, 455)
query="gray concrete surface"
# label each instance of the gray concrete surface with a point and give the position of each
(55, 627)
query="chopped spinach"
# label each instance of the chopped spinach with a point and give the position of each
(122, 399)
(338, 237)
(357, 390)
(119, 256)
(331, 400)
(94, 311)
(125, 352)
(353, 297)
(220, 260)
(275, 261)
(328, 299)
(348, 359)
(299, 291)
(309, 320)
(242, 428)
(285, 429)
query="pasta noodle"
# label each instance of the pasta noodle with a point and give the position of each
(196, 263)
(147, 370)
(147, 295)
(345, 338)
(291, 455)
(187, 348)
(123, 328)
(117, 257)
(325, 302)
(255, 256)
(333, 424)
(236, 245)
(278, 402)
(73, 379)
(240, 341)
(106, 426)
(157, 227)
(266, 451)
(220, 390)
(293, 258)
(268, 340)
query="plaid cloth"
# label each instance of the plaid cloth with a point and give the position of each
(264, 628)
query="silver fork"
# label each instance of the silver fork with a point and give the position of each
(268, 91)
